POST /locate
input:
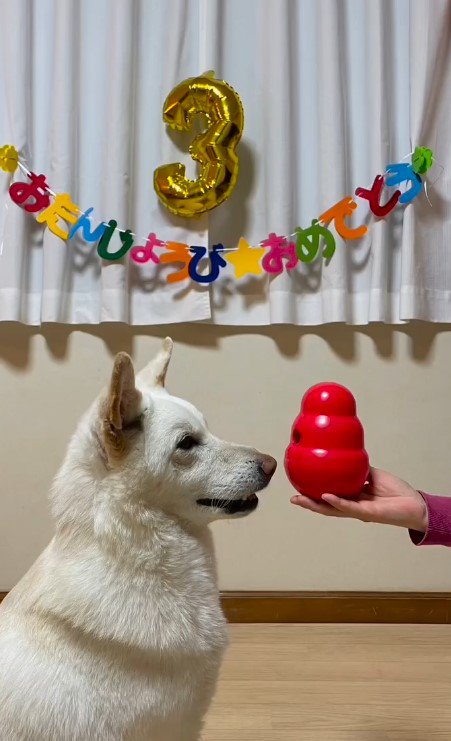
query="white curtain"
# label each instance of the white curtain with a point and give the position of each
(333, 90)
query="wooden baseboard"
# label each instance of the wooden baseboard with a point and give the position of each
(335, 607)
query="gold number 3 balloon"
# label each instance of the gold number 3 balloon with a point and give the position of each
(214, 149)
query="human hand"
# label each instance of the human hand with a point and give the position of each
(385, 499)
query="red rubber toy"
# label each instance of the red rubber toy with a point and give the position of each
(326, 453)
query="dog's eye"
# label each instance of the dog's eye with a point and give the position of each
(187, 443)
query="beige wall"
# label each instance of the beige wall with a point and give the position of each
(249, 386)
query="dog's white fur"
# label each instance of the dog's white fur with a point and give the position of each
(116, 632)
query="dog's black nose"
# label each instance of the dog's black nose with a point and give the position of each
(268, 465)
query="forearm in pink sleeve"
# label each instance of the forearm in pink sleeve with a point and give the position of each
(439, 522)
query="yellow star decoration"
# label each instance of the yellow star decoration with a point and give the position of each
(246, 259)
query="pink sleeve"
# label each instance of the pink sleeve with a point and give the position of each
(439, 522)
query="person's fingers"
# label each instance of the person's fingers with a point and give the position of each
(302, 501)
(348, 507)
(313, 505)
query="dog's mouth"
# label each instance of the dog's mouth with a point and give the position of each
(232, 506)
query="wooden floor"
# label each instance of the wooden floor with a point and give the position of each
(334, 683)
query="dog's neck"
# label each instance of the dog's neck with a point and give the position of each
(126, 570)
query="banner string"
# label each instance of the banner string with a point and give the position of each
(118, 229)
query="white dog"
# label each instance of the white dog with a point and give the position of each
(116, 632)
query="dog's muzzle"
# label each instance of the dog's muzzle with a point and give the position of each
(267, 466)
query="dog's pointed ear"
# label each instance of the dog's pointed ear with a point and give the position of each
(154, 374)
(121, 406)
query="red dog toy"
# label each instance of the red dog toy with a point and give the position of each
(326, 453)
